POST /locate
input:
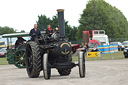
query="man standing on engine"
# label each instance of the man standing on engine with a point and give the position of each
(34, 32)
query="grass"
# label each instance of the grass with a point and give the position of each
(118, 55)
(3, 61)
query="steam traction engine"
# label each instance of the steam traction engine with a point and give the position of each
(52, 51)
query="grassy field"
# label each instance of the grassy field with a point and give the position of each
(118, 55)
(3, 61)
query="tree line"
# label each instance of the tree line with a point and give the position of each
(98, 15)
(6, 30)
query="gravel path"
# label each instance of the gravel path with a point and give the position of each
(102, 72)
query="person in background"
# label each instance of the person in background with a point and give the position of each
(34, 32)
(19, 41)
(85, 46)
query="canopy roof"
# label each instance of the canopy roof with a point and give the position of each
(15, 35)
(18, 35)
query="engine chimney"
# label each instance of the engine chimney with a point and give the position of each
(61, 22)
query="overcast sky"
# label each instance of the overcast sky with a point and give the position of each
(22, 14)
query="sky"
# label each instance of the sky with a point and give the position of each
(23, 14)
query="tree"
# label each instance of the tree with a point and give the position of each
(70, 32)
(100, 15)
(22, 31)
(6, 30)
(42, 22)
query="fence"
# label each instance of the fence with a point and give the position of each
(106, 49)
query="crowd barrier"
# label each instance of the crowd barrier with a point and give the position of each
(106, 49)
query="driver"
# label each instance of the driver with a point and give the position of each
(19, 41)
(34, 32)
(49, 30)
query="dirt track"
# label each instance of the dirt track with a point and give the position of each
(103, 72)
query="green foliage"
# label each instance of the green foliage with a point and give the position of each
(3, 61)
(70, 32)
(100, 15)
(22, 31)
(6, 30)
(43, 21)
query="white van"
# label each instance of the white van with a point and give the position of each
(100, 35)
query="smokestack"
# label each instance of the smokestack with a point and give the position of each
(61, 22)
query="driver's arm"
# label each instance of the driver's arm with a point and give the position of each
(30, 33)
(39, 33)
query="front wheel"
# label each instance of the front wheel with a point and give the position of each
(46, 67)
(64, 72)
(81, 63)
(126, 56)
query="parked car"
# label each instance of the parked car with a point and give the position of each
(125, 52)
(125, 43)
(3, 52)
(120, 45)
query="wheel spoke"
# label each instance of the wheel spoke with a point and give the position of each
(17, 62)
(20, 61)
(24, 55)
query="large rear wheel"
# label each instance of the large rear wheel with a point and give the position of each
(126, 56)
(33, 59)
(19, 58)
